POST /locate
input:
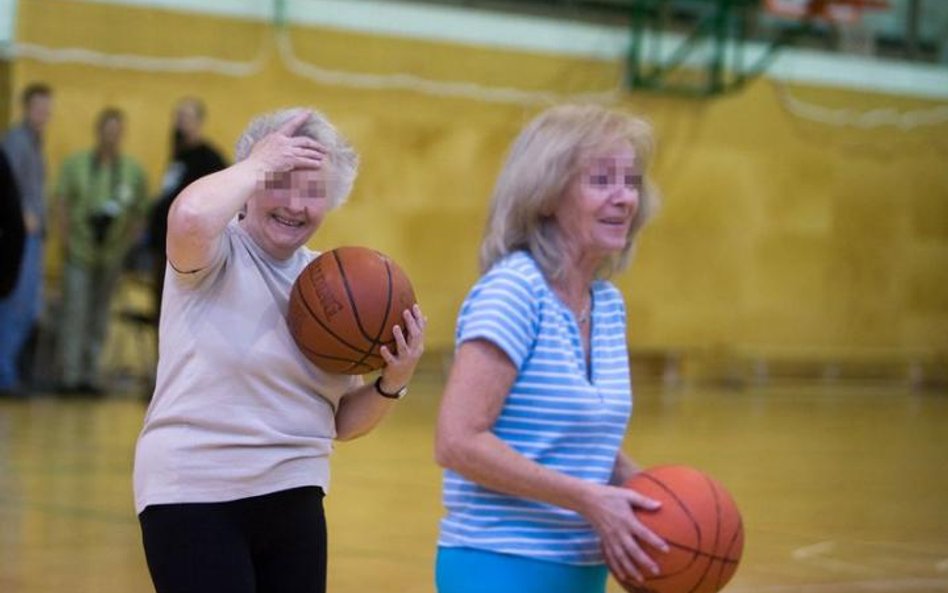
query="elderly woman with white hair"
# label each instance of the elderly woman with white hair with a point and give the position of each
(233, 460)
(538, 400)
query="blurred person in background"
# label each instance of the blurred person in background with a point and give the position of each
(103, 199)
(12, 229)
(20, 310)
(192, 157)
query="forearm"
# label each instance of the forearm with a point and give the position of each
(199, 215)
(623, 469)
(363, 408)
(487, 460)
(210, 203)
(360, 411)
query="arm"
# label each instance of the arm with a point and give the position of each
(362, 409)
(15, 149)
(623, 469)
(480, 379)
(60, 210)
(136, 226)
(202, 211)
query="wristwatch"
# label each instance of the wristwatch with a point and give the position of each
(398, 394)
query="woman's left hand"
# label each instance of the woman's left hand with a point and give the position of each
(400, 366)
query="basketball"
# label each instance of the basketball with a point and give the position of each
(701, 524)
(343, 308)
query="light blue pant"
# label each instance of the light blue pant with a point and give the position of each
(20, 310)
(466, 570)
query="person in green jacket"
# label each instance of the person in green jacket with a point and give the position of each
(103, 200)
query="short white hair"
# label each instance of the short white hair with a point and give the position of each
(343, 159)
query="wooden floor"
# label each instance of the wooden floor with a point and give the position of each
(844, 489)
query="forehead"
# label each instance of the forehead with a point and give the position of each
(303, 176)
(618, 154)
(297, 178)
(187, 108)
(111, 123)
(39, 100)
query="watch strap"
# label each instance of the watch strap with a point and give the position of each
(397, 394)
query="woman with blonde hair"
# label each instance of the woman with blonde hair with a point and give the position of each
(539, 396)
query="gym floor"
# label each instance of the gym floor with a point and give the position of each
(842, 488)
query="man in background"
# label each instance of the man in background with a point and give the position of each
(103, 199)
(21, 309)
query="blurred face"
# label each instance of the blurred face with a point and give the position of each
(110, 135)
(38, 111)
(286, 210)
(596, 214)
(187, 120)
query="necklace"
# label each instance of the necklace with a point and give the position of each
(583, 315)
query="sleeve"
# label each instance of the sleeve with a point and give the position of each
(64, 182)
(13, 149)
(502, 309)
(197, 279)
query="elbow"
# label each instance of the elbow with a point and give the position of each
(186, 218)
(345, 432)
(183, 217)
(449, 450)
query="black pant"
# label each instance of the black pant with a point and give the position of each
(275, 543)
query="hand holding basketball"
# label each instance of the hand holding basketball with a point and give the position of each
(611, 513)
(352, 310)
(400, 365)
(699, 520)
(281, 151)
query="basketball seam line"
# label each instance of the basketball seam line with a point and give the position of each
(724, 559)
(315, 318)
(331, 357)
(352, 302)
(687, 512)
(355, 309)
(312, 315)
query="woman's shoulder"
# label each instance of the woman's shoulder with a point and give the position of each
(518, 266)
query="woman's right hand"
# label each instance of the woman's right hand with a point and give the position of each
(610, 510)
(281, 151)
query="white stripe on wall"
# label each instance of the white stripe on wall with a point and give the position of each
(546, 35)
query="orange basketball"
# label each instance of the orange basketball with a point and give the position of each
(343, 307)
(701, 524)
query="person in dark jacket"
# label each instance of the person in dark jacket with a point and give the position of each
(12, 229)
(192, 157)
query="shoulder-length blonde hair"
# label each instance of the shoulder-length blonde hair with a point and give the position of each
(343, 159)
(543, 162)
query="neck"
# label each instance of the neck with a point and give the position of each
(106, 154)
(579, 271)
(573, 286)
(191, 141)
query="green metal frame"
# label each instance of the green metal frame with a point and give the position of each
(724, 24)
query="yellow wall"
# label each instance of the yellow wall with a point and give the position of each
(775, 232)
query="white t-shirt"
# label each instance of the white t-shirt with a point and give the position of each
(238, 411)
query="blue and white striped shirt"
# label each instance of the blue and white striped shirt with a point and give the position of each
(554, 414)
